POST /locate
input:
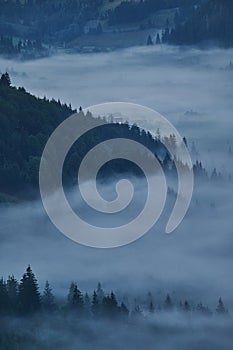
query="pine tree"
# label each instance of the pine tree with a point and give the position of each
(100, 293)
(124, 312)
(5, 80)
(77, 303)
(151, 308)
(149, 41)
(4, 300)
(186, 306)
(29, 295)
(70, 294)
(95, 307)
(12, 290)
(113, 301)
(168, 305)
(221, 308)
(158, 40)
(87, 304)
(48, 299)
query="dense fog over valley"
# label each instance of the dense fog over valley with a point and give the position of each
(192, 88)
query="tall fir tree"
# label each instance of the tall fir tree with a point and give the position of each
(48, 299)
(29, 295)
(95, 306)
(12, 290)
(221, 308)
(5, 80)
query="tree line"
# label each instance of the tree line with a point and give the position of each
(23, 298)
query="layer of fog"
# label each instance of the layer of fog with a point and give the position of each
(163, 332)
(196, 260)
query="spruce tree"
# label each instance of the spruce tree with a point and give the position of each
(221, 308)
(5, 80)
(70, 294)
(151, 308)
(48, 299)
(124, 310)
(100, 293)
(95, 307)
(4, 300)
(29, 295)
(77, 303)
(168, 305)
(186, 306)
(12, 290)
(149, 41)
(158, 41)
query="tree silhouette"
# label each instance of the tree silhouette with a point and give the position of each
(151, 307)
(76, 300)
(12, 290)
(4, 301)
(95, 307)
(5, 80)
(29, 295)
(124, 310)
(221, 308)
(186, 306)
(48, 299)
(149, 41)
(168, 305)
(158, 40)
(100, 292)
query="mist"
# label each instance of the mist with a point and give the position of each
(195, 261)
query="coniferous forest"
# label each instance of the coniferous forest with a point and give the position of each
(23, 302)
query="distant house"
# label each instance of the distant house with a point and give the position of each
(93, 27)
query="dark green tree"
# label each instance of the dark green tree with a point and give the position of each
(100, 292)
(12, 291)
(29, 295)
(168, 305)
(110, 306)
(158, 40)
(95, 307)
(76, 300)
(5, 80)
(149, 41)
(221, 308)
(124, 312)
(48, 299)
(4, 300)
(151, 307)
(186, 306)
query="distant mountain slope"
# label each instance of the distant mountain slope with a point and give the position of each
(212, 22)
(35, 25)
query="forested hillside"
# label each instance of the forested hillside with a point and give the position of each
(26, 122)
(210, 23)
